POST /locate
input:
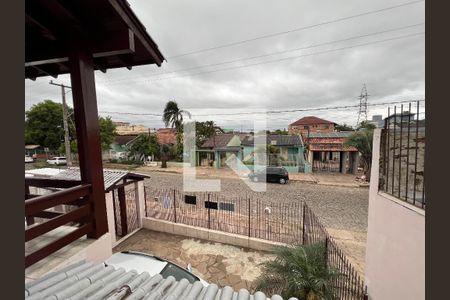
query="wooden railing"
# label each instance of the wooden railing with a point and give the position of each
(36, 206)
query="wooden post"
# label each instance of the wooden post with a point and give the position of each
(303, 225)
(30, 220)
(88, 132)
(175, 205)
(249, 217)
(123, 210)
(209, 212)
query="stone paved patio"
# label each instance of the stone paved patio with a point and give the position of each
(214, 262)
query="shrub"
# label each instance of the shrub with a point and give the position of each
(298, 271)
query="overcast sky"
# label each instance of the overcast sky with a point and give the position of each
(317, 77)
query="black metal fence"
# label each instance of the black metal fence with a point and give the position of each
(290, 223)
(348, 286)
(402, 153)
(125, 211)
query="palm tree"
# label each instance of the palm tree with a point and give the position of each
(164, 151)
(173, 115)
(363, 140)
(298, 271)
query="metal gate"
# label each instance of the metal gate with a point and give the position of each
(125, 209)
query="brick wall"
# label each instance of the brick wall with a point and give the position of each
(300, 129)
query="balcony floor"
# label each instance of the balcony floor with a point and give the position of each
(59, 257)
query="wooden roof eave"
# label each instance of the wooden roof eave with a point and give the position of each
(124, 44)
(138, 29)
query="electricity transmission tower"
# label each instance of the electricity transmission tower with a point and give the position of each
(362, 114)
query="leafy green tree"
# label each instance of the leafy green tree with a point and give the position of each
(363, 140)
(366, 125)
(44, 124)
(298, 271)
(273, 154)
(107, 132)
(145, 145)
(282, 132)
(343, 127)
(203, 131)
(73, 147)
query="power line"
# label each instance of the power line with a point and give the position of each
(315, 109)
(297, 29)
(289, 58)
(273, 53)
(281, 59)
(271, 111)
(132, 114)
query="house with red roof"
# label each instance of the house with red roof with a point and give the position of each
(326, 150)
(166, 136)
(311, 124)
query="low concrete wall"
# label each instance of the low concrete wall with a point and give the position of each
(209, 235)
(395, 253)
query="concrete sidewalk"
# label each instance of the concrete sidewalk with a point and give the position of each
(338, 179)
(329, 179)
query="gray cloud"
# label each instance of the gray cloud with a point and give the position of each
(392, 70)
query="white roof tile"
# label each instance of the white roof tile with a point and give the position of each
(85, 280)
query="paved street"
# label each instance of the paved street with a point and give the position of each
(343, 210)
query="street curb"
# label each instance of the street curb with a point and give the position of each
(324, 183)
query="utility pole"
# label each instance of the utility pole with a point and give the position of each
(66, 126)
(362, 114)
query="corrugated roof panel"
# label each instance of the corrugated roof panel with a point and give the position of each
(110, 176)
(97, 281)
(44, 172)
(276, 139)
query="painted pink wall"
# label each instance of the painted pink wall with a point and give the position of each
(395, 252)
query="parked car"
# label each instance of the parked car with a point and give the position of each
(272, 174)
(28, 159)
(142, 262)
(58, 160)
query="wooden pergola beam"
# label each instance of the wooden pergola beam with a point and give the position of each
(117, 43)
(31, 73)
(150, 48)
(46, 69)
(61, 16)
(45, 32)
(100, 64)
(125, 61)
